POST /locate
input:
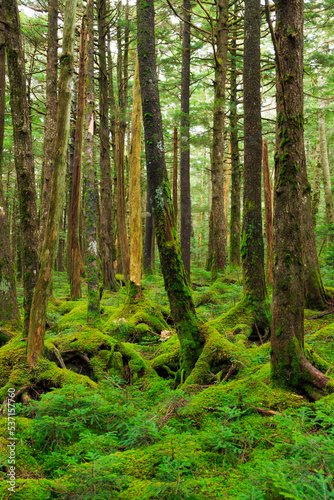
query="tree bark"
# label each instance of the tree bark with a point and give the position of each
(289, 368)
(24, 162)
(218, 229)
(185, 197)
(135, 199)
(252, 249)
(9, 309)
(106, 232)
(35, 343)
(235, 165)
(175, 173)
(227, 182)
(51, 113)
(268, 212)
(325, 165)
(76, 263)
(93, 310)
(149, 237)
(316, 186)
(181, 303)
(122, 82)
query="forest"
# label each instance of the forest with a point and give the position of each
(166, 250)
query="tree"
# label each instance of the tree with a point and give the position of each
(252, 248)
(290, 367)
(9, 309)
(76, 263)
(180, 300)
(106, 230)
(218, 230)
(185, 199)
(24, 162)
(35, 342)
(51, 113)
(135, 205)
(235, 163)
(93, 309)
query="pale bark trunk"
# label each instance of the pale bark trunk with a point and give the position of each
(316, 186)
(227, 182)
(35, 343)
(175, 173)
(268, 212)
(135, 199)
(325, 164)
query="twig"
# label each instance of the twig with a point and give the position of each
(264, 411)
(321, 315)
(258, 334)
(231, 370)
(58, 356)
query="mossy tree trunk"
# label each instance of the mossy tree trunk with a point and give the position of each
(9, 309)
(76, 262)
(289, 367)
(24, 162)
(51, 113)
(252, 249)
(93, 310)
(135, 199)
(106, 230)
(48, 253)
(180, 299)
(148, 259)
(217, 216)
(185, 196)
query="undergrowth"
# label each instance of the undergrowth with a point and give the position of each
(137, 436)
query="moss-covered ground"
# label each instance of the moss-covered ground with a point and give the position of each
(111, 424)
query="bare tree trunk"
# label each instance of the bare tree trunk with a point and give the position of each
(35, 343)
(135, 203)
(51, 113)
(325, 165)
(76, 263)
(227, 182)
(268, 211)
(316, 186)
(149, 237)
(93, 310)
(24, 162)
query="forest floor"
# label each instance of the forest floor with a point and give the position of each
(100, 418)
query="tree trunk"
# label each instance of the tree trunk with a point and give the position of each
(316, 186)
(227, 182)
(268, 212)
(76, 262)
(24, 162)
(122, 82)
(9, 309)
(40, 301)
(51, 113)
(325, 165)
(106, 233)
(252, 249)
(289, 366)
(175, 173)
(93, 310)
(218, 229)
(185, 199)
(181, 303)
(135, 199)
(149, 237)
(235, 164)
